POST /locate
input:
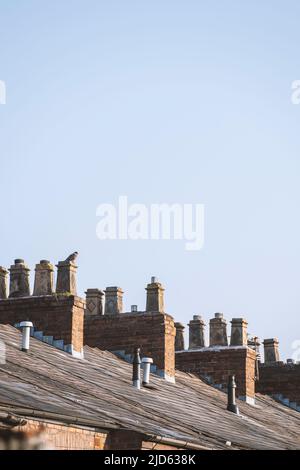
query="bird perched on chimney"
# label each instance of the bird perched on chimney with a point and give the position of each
(72, 257)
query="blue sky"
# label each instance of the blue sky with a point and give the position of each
(165, 102)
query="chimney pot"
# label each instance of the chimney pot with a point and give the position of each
(134, 308)
(197, 317)
(179, 338)
(66, 278)
(271, 351)
(94, 302)
(25, 326)
(113, 300)
(43, 281)
(238, 332)
(154, 280)
(3, 283)
(196, 333)
(219, 315)
(19, 279)
(218, 331)
(155, 297)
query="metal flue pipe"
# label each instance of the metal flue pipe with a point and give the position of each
(231, 404)
(25, 326)
(136, 369)
(147, 361)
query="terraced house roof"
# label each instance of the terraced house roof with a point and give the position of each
(97, 391)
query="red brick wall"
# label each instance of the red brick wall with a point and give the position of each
(153, 332)
(64, 437)
(280, 379)
(60, 316)
(219, 364)
(67, 437)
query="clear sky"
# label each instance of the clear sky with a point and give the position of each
(165, 102)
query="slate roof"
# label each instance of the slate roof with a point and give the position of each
(97, 391)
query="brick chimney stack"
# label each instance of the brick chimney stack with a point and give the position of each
(94, 302)
(113, 300)
(179, 338)
(196, 333)
(19, 279)
(218, 331)
(271, 350)
(44, 281)
(58, 317)
(3, 283)
(155, 296)
(66, 278)
(238, 332)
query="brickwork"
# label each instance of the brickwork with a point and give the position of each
(280, 379)
(217, 364)
(60, 316)
(153, 332)
(67, 437)
(64, 437)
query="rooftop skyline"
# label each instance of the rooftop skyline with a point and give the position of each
(164, 103)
